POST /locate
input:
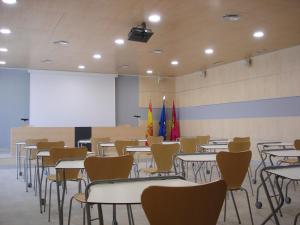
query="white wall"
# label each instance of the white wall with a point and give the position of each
(70, 99)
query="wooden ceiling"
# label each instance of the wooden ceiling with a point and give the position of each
(186, 29)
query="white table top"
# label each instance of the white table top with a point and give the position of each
(21, 143)
(128, 192)
(47, 154)
(30, 147)
(84, 141)
(198, 157)
(292, 173)
(43, 154)
(280, 144)
(138, 149)
(283, 153)
(107, 145)
(70, 164)
(220, 142)
(170, 142)
(214, 146)
(142, 140)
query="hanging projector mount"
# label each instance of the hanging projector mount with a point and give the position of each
(140, 33)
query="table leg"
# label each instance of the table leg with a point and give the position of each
(130, 215)
(274, 211)
(60, 215)
(40, 180)
(26, 169)
(114, 222)
(17, 160)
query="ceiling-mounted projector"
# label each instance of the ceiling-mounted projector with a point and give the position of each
(140, 33)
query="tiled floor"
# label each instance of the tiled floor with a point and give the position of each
(18, 207)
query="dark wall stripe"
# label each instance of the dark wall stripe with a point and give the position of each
(276, 107)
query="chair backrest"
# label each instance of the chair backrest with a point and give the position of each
(34, 142)
(202, 140)
(163, 156)
(121, 144)
(47, 161)
(193, 205)
(239, 146)
(102, 168)
(57, 154)
(154, 140)
(297, 144)
(241, 139)
(188, 145)
(234, 167)
(96, 140)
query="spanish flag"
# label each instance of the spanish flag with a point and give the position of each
(149, 131)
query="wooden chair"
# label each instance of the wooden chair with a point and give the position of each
(163, 156)
(233, 167)
(202, 140)
(31, 157)
(122, 144)
(188, 145)
(57, 154)
(154, 140)
(194, 205)
(120, 147)
(241, 139)
(239, 146)
(96, 141)
(47, 161)
(99, 168)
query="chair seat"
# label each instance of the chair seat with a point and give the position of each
(154, 170)
(80, 197)
(290, 161)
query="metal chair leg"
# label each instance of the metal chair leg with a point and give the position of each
(114, 222)
(45, 197)
(100, 214)
(249, 206)
(296, 218)
(70, 210)
(49, 212)
(235, 207)
(251, 187)
(84, 215)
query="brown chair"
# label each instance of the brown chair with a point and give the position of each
(241, 139)
(95, 141)
(239, 146)
(188, 145)
(233, 167)
(194, 205)
(202, 140)
(47, 161)
(163, 156)
(154, 140)
(58, 154)
(122, 144)
(292, 160)
(31, 157)
(99, 168)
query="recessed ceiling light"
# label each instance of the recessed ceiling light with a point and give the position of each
(231, 17)
(149, 71)
(154, 18)
(209, 51)
(97, 56)
(157, 51)
(174, 62)
(61, 42)
(258, 34)
(5, 31)
(2, 62)
(119, 41)
(3, 50)
(9, 2)
(81, 67)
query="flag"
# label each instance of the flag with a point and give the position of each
(175, 132)
(149, 131)
(162, 122)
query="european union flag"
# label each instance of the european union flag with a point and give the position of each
(162, 122)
